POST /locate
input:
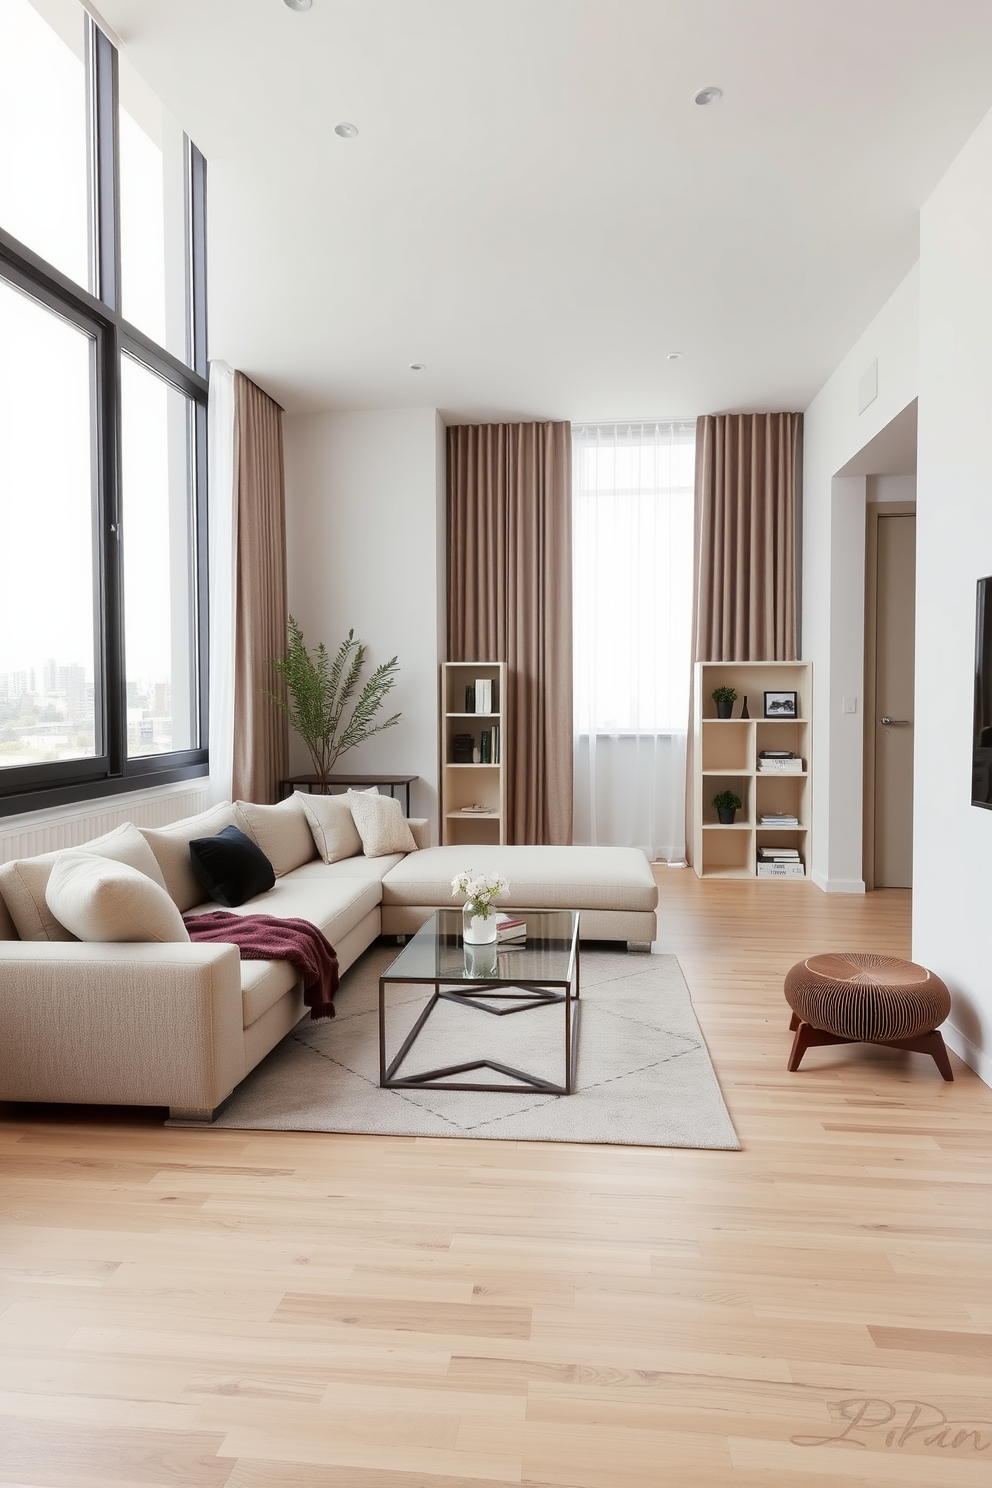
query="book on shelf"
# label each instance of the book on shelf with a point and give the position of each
(776, 754)
(784, 855)
(461, 749)
(483, 695)
(495, 744)
(781, 870)
(778, 819)
(485, 747)
(780, 766)
(470, 697)
(510, 927)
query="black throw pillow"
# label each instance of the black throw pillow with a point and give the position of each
(230, 867)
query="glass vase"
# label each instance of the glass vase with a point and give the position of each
(477, 929)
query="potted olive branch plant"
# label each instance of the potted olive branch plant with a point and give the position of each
(725, 698)
(727, 805)
(318, 691)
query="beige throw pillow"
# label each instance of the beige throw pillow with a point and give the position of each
(381, 824)
(333, 826)
(170, 846)
(100, 900)
(24, 881)
(281, 831)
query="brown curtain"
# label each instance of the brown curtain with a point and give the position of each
(510, 599)
(744, 596)
(746, 560)
(261, 736)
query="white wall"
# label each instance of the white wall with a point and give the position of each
(833, 573)
(365, 540)
(883, 488)
(952, 867)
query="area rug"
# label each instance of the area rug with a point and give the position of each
(644, 1075)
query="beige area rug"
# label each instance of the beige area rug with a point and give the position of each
(644, 1075)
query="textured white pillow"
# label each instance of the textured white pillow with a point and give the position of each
(381, 824)
(170, 846)
(281, 831)
(99, 900)
(23, 882)
(332, 825)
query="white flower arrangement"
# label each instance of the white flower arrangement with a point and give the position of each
(481, 889)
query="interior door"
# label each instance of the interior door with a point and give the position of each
(895, 665)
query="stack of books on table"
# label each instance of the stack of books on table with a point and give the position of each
(780, 862)
(779, 762)
(778, 819)
(509, 928)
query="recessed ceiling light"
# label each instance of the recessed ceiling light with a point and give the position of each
(346, 131)
(705, 95)
(674, 356)
(418, 367)
(298, 4)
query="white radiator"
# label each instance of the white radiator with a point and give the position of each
(70, 826)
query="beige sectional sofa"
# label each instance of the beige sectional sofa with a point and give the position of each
(180, 1024)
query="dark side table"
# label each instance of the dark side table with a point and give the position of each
(338, 783)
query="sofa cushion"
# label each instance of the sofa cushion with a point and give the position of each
(332, 826)
(100, 900)
(24, 881)
(539, 877)
(381, 824)
(171, 848)
(281, 831)
(262, 985)
(360, 867)
(334, 907)
(230, 867)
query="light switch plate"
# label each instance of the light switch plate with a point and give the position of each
(850, 705)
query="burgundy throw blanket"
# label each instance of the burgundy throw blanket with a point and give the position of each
(261, 937)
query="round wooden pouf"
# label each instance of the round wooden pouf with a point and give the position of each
(853, 997)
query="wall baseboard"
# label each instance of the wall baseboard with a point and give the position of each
(70, 826)
(838, 885)
(973, 1057)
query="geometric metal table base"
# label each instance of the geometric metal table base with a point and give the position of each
(808, 1037)
(526, 1000)
(544, 973)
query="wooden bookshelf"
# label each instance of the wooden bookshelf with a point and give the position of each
(464, 784)
(725, 757)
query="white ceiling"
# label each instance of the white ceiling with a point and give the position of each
(535, 208)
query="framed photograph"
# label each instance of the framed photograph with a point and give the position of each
(781, 705)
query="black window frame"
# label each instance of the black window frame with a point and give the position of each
(110, 771)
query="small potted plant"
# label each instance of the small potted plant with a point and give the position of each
(725, 698)
(727, 805)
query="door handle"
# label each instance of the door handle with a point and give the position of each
(897, 722)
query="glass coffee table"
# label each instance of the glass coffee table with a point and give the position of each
(521, 976)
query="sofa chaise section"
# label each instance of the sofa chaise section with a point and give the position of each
(613, 887)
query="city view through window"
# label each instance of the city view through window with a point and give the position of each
(55, 635)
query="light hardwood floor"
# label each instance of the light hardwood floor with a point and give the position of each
(308, 1311)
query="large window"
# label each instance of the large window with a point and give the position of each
(632, 586)
(102, 420)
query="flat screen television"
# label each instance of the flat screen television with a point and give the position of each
(981, 760)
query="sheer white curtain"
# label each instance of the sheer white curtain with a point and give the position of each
(632, 586)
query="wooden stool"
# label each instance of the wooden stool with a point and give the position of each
(858, 997)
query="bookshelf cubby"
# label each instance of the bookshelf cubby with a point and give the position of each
(466, 784)
(726, 753)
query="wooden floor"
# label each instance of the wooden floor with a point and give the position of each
(308, 1311)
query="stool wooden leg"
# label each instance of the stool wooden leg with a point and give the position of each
(799, 1045)
(808, 1037)
(927, 1043)
(793, 1022)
